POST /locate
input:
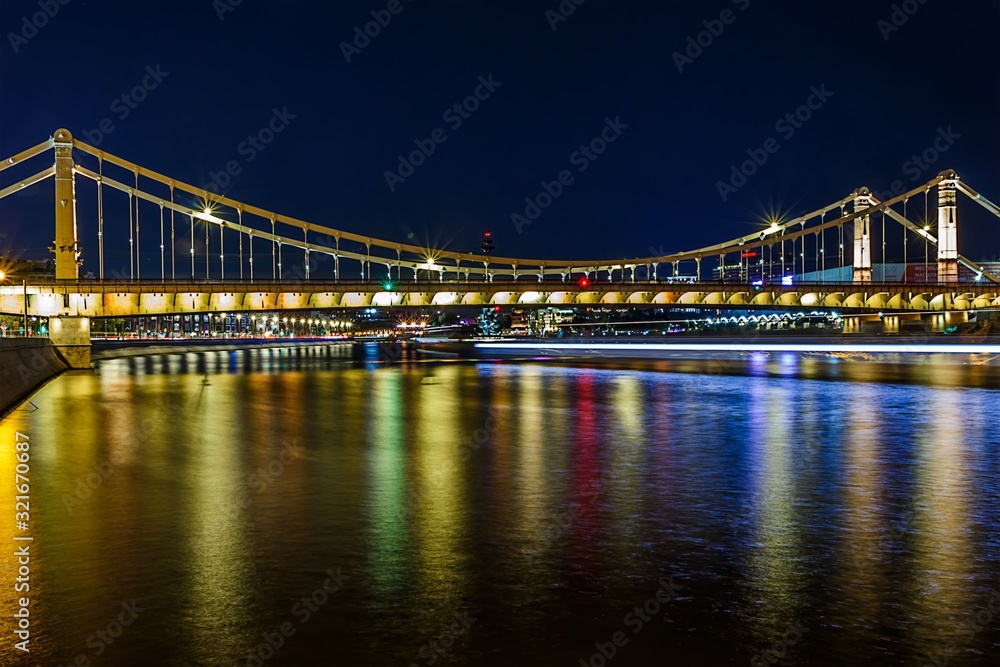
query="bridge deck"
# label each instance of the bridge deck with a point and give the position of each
(127, 298)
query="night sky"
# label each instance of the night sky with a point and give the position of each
(888, 94)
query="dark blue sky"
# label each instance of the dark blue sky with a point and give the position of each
(655, 186)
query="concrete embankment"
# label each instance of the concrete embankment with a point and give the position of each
(25, 365)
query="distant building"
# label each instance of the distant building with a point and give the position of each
(30, 270)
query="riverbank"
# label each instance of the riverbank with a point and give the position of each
(26, 364)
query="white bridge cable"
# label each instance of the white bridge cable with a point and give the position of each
(28, 182)
(978, 198)
(750, 240)
(921, 232)
(27, 154)
(474, 264)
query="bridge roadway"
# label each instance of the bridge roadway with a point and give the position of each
(85, 298)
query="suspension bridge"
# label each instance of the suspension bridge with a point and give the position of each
(216, 254)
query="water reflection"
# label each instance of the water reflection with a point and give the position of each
(546, 500)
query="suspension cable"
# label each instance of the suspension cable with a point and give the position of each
(100, 215)
(173, 255)
(239, 214)
(883, 246)
(222, 250)
(207, 256)
(131, 239)
(191, 251)
(138, 268)
(905, 242)
(163, 272)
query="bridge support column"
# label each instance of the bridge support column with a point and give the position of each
(66, 248)
(890, 324)
(947, 230)
(71, 338)
(862, 238)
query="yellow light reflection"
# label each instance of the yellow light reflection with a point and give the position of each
(439, 478)
(775, 579)
(389, 508)
(942, 554)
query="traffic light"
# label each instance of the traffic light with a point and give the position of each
(388, 285)
(488, 246)
(583, 282)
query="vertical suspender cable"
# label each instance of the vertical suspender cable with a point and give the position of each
(173, 256)
(222, 250)
(883, 246)
(163, 266)
(100, 215)
(207, 262)
(138, 271)
(239, 214)
(191, 251)
(131, 238)
(905, 265)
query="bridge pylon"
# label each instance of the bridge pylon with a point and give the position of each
(862, 237)
(947, 229)
(66, 247)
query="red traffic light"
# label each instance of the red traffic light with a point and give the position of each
(583, 282)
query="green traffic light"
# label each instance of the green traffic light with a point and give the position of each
(388, 285)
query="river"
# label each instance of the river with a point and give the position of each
(204, 509)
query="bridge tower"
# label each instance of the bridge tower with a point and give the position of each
(66, 248)
(862, 237)
(947, 229)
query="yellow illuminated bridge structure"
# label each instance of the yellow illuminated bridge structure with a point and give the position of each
(249, 252)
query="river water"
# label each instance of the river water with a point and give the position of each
(188, 509)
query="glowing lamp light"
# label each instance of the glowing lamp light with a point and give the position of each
(583, 282)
